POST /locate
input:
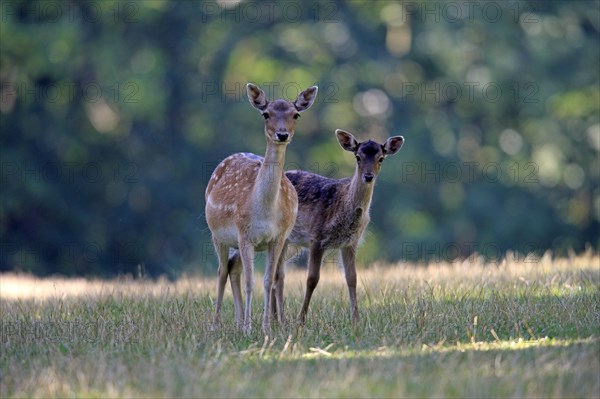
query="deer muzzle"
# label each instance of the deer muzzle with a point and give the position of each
(282, 136)
(368, 177)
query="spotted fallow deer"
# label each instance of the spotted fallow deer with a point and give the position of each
(334, 213)
(252, 206)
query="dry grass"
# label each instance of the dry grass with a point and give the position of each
(524, 327)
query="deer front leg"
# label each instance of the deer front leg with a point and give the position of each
(274, 296)
(349, 260)
(314, 271)
(273, 254)
(221, 251)
(277, 297)
(247, 255)
(235, 278)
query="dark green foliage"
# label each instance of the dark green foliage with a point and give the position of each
(114, 114)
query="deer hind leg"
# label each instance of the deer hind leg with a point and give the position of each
(314, 271)
(349, 260)
(274, 253)
(221, 251)
(235, 278)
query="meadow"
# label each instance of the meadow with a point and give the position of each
(523, 327)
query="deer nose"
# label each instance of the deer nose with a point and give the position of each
(282, 136)
(368, 177)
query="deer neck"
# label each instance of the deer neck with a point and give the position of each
(268, 179)
(360, 193)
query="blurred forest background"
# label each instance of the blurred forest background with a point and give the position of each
(114, 114)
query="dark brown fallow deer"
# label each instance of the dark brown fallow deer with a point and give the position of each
(334, 214)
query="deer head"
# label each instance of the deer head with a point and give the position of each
(369, 154)
(280, 115)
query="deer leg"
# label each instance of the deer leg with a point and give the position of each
(278, 286)
(247, 255)
(235, 278)
(349, 260)
(273, 254)
(274, 296)
(222, 251)
(314, 271)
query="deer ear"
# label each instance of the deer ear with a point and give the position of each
(346, 140)
(256, 97)
(393, 145)
(306, 99)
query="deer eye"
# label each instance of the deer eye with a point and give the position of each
(265, 115)
(381, 160)
(357, 159)
(296, 116)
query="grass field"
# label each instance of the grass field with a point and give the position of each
(521, 328)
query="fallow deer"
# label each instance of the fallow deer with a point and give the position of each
(334, 213)
(252, 206)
